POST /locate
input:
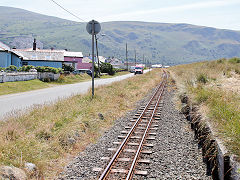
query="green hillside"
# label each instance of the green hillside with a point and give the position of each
(160, 42)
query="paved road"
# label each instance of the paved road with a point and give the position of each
(15, 103)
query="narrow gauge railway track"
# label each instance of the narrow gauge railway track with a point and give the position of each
(133, 149)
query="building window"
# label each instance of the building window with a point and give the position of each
(24, 63)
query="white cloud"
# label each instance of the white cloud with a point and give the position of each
(204, 12)
(170, 9)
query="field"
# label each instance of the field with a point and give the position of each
(215, 87)
(49, 136)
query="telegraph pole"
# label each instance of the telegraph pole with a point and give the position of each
(93, 32)
(127, 56)
(143, 59)
(135, 57)
(97, 55)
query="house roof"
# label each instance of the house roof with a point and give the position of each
(102, 59)
(73, 54)
(86, 60)
(4, 47)
(115, 61)
(40, 55)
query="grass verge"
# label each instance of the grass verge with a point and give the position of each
(23, 86)
(48, 135)
(204, 83)
(116, 74)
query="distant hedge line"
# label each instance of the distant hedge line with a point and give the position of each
(27, 68)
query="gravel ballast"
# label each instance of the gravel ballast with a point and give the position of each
(175, 153)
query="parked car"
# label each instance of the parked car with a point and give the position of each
(81, 71)
(138, 70)
(132, 69)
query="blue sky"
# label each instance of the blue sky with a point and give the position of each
(224, 14)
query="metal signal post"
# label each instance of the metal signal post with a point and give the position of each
(93, 28)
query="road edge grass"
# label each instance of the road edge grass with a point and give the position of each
(24, 86)
(48, 135)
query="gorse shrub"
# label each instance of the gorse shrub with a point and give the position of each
(221, 60)
(234, 60)
(202, 78)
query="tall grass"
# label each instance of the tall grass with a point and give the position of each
(46, 135)
(202, 81)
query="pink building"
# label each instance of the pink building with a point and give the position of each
(76, 60)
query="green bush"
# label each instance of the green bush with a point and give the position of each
(107, 68)
(2, 69)
(49, 69)
(68, 68)
(234, 60)
(26, 68)
(221, 60)
(38, 68)
(11, 68)
(202, 78)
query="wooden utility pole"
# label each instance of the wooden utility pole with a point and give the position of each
(143, 59)
(93, 32)
(127, 56)
(97, 55)
(135, 57)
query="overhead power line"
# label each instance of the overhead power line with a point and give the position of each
(67, 11)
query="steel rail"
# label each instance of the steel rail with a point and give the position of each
(130, 172)
(115, 156)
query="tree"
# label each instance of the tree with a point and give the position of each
(107, 68)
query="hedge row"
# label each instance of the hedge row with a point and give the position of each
(13, 68)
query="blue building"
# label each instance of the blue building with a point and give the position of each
(41, 57)
(8, 57)
(35, 57)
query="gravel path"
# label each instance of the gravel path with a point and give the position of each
(175, 152)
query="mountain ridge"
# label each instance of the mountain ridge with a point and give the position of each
(167, 43)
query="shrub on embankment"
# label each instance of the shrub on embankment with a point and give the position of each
(47, 135)
(214, 86)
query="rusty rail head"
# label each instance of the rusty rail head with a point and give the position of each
(115, 156)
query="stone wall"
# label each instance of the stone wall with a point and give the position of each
(17, 76)
(43, 76)
(26, 76)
